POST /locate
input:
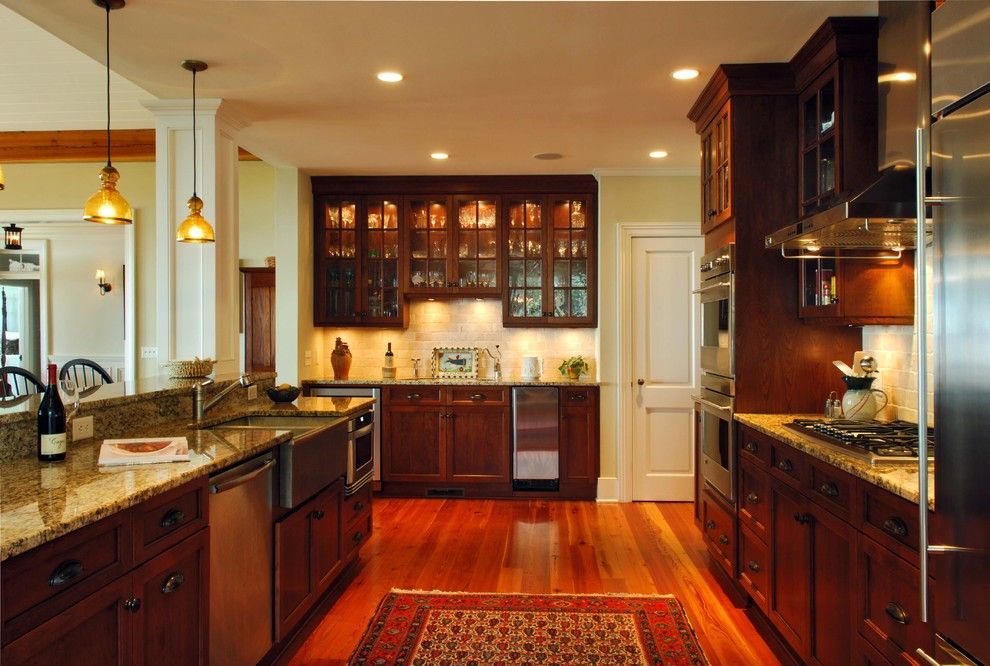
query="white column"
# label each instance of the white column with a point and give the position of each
(198, 287)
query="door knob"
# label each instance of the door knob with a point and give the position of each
(640, 381)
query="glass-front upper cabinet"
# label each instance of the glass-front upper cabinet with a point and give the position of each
(476, 267)
(382, 296)
(337, 261)
(427, 220)
(818, 139)
(550, 244)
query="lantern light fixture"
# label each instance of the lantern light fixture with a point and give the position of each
(12, 237)
(195, 228)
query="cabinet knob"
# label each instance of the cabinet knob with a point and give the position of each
(753, 566)
(413, 396)
(477, 396)
(132, 605)
(750, 446)
(579, 397)
(640, 381)
(785, 465)
(358, 506)
(358, 536)
(753, 498)
(803, 518)
(65, 572)
(318, 514)
(896, 613)
(173, 582)
(724, 540)
(171, 518)
(895, 526)
(709, 524)
(829, 490)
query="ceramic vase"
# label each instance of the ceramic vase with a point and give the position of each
(340, 360)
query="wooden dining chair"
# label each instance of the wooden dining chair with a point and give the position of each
(16, 382)
(85, 373)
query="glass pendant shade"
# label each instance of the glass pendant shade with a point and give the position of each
(3, 183)
(108, 206)
(195, 228)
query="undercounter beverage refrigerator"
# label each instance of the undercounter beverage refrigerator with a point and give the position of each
(958, 547)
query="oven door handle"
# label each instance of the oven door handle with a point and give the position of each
(366, 430)
(709, 287)
(727, 411)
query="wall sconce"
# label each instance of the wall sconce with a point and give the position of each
(12, 237)
(102, 283)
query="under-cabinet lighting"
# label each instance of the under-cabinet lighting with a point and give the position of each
(685, 74)
(658, 154)
(897, 77)
(439, 156)
(389, 77)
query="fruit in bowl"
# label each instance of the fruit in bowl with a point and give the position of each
(283, 392)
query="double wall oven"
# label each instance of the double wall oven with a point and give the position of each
(716, 402)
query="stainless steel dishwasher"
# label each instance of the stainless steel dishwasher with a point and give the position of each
(241, 562)
(535, 438)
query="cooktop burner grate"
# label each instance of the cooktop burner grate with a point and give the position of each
(894, 442)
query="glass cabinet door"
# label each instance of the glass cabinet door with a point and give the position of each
(818, 143)
(524, 245)
(338, 261)
(569, 251)
(475, 263)
(428, 242)
(381, 259)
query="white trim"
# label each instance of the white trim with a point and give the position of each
(647, 171)
(625, 232)
(43, 215)
(608, 487)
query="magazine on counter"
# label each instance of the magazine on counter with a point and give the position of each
(144, 451)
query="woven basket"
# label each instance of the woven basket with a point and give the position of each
(198, 367)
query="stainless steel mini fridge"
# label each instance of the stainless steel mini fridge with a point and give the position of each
(535, 438)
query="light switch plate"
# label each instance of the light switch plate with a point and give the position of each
(308, 357)
(252, 392)
(82, 428)
(149, 352)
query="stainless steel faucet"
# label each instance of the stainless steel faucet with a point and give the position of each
(200, 407)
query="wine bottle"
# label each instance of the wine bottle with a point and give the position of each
(388, 352)
(51, 421)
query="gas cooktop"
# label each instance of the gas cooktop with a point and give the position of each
(891, 443)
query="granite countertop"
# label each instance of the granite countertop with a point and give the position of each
(42, 501)
(901, 480)
(505, 381)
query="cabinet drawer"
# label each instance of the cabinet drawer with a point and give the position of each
(754, 567)
(578, 396)
(60, 572)
(889, 605)
(754, 500)
(354, 536)
(412, 395)
(789, 465)
(355, 505)
(478, 395)
(719, 530)
(166, 520)
(891, 520)
(832, 488)
(754, 446)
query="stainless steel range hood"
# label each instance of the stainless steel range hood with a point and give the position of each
(883, 217)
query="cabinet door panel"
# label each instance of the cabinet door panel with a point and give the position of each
(293, 558)
(790, 556)
(579, 441)
(411, 446)
(754, 500)
(325, 524)
(833, 553)
(478, 447)
(337, 297)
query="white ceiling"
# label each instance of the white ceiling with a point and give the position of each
(491, 83)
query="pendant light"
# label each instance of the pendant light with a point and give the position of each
(108, 206)
(195, 228)
(3, 183)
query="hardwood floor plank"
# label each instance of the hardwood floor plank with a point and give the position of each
(536, 546)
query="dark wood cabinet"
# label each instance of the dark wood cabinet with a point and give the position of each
(258, 306)
(550, 250)
(579, 437)
(412, 442)
(719, 530)
(854, 292)
(307, 556)
(476, 447)
(716, 183)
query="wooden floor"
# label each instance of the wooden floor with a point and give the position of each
(539, 547)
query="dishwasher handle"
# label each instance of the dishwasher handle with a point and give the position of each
(225, 485)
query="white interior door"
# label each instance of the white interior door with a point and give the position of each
(665, 337)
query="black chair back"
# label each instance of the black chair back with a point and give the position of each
(16, 382)
(85, 373)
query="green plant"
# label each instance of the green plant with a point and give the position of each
(575, 364)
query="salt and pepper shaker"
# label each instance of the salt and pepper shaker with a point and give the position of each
(833, 406)
(415, 363)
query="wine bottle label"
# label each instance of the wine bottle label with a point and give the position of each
(53, 444)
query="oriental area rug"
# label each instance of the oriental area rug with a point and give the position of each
(464, 629)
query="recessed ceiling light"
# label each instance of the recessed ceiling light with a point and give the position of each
(685, 74)
(439, 156)
(548, 156)
(658, 154)
(389, 77)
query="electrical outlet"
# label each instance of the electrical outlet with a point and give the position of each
(307, 357)
(82, 428)
(252, 392)
(149, 352)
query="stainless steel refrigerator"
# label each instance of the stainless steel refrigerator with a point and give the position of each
(959, 550)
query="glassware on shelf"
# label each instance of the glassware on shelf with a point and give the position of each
(462, 251)
(577, 214)
(374, 221)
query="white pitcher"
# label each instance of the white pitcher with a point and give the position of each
(859, 403)
(532, 368)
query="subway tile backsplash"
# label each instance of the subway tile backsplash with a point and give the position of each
(895, 349)
(459, 323)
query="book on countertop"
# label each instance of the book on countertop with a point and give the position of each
(143, 451)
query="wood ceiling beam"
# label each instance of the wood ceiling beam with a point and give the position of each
(130, 145)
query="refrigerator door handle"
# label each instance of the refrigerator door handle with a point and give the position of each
(921, 316)
(928, 660)
(941, 550)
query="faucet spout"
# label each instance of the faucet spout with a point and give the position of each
(200, 407)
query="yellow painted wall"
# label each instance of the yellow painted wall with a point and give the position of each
(256, 211)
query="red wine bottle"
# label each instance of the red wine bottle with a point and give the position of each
(51, 421)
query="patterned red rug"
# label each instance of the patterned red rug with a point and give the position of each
(461, 629)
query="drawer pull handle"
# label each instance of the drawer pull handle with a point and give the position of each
(753, 498)
(358, 506)
(895, 526)
(358, 536)
(785, 465)
(318, 514)
(579, 397)
(477, 396)
(752, 447)
(896, 613)
(724, 540)
(829, 490)
(803, 518)
(173, 583)
(753, 566)
(132, 605)
(65, 572)
(172, 518)
(710, 525)
(413, 396)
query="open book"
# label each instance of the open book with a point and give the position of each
(143, 451)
